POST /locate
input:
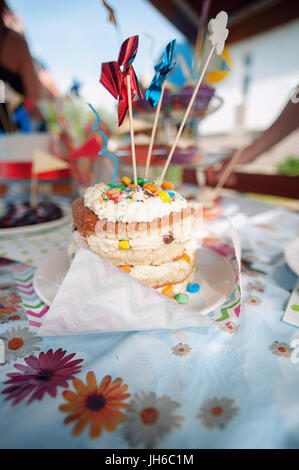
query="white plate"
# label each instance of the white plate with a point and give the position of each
(66, 210)
(215, 277)
(291, 253)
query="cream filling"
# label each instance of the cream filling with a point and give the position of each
(100, 244)
(138, 209)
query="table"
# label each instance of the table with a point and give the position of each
(207, 387)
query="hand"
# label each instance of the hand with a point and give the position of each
(214, 173)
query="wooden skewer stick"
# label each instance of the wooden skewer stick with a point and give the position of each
(131, 130)
(201, 33)
(186, 114)
(232, 163)
(33, 191)
(149, 153)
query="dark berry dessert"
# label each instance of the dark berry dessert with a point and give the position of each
(20, 215)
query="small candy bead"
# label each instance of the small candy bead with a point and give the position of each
(125, 268)
(140, 181)
(164, 196)
(150, 187)
(171, 193)
(193, 288)
(167, 290)
(182, 298)
(167, 185)
(186, 258)
(127, 181)
(123, 245)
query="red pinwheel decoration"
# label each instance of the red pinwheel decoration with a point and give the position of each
(114, 74)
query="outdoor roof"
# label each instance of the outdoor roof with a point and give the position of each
(246, 17)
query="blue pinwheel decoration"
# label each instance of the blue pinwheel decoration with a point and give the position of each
(153, 93)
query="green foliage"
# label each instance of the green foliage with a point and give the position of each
(76, 112)
(290, 166)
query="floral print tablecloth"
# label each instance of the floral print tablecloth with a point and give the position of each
(232, 386)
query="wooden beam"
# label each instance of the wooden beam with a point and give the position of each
(274, 185)
(248, 18)
(260, 21)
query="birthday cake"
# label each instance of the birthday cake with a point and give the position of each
(144, 229)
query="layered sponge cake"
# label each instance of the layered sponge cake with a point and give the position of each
(146, 230)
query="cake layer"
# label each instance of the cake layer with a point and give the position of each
(88, 223)
(149, 252)
(166, 273)
(174, 272)
(177, 288)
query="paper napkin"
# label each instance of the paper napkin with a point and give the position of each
(96, 296)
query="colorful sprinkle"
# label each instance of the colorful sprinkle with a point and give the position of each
(171, 193)
(164, 196)
(167, 185)
(182, 298)
(186, 258)
(123, 245)
(127, 181)
(193, 288)
(295, 308)
(167, 290)
(125, 268)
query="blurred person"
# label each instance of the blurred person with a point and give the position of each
(286, 122)
(18, 69)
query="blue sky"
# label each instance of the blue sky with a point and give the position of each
(73, 37)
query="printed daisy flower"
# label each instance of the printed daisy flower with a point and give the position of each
(149, 418)
(5, 318)
(255, 286)
(19, 342)
(282, 349)
(43, 374)
(10, 299)
(181, 349)
(248, 269)
(252, 300)
(9, 304)
(96, 405)
(6, 310)
(216, 413)
(231, 328)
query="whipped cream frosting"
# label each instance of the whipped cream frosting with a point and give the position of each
(134, 204)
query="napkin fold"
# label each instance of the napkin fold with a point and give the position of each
(96, 296)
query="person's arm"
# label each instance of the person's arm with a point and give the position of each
(287, 122)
